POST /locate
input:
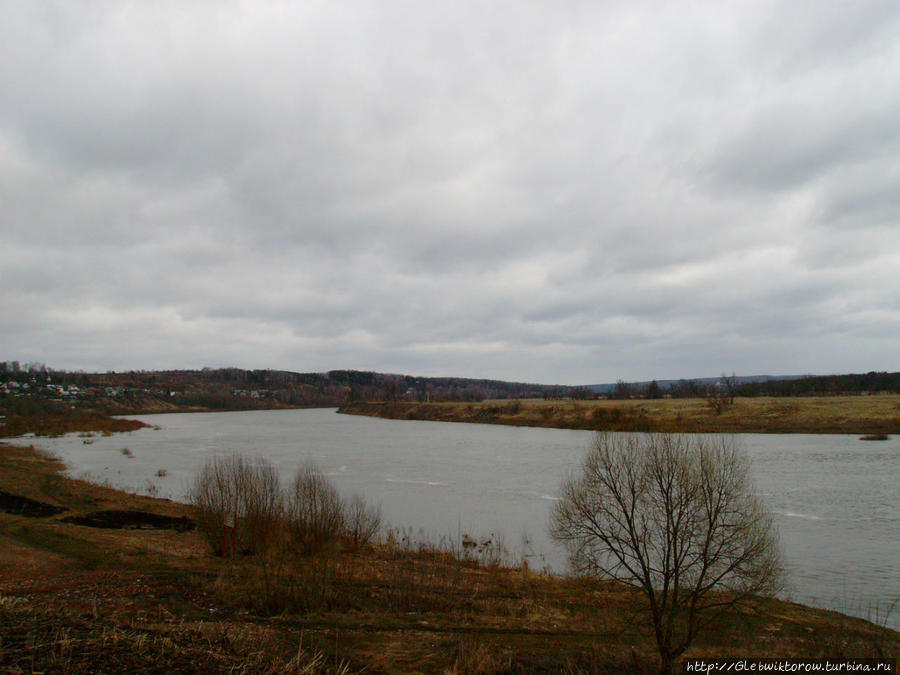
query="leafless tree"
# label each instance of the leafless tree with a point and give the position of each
(675, 516)
(720, 395)
(730, 383)
(717, 400)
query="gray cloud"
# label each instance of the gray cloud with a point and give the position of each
(570, 194)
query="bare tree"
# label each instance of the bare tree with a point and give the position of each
(717, 400)
(730, 383)
(675, 516)
(720, 394)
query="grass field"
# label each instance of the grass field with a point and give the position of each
(79, 599)
(878, 414)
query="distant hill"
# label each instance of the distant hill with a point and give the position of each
(757, 385)
(240, 389)
(237, 389)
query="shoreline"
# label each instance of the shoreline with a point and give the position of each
(874, 416)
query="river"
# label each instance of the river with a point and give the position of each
(834, 497)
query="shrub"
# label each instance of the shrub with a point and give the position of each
(513, 407)
(234, 488)
(278, 581)
(361, 522)
(247, 493)
(314, 509)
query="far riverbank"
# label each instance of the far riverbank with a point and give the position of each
(877, 414)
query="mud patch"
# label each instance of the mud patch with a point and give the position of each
(23, 506)
(133, 520)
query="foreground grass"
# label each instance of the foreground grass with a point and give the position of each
(878, 414)
(79, 599)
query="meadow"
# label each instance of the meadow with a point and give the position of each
(870, 414)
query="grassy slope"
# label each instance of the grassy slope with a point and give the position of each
(833, 414)
(77, 599)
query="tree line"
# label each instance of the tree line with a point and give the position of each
(230, 388)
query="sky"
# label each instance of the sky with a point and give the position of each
(563, 193)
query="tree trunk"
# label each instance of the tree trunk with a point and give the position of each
(665, 665)
(666, 661)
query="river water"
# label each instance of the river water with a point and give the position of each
(834, 497)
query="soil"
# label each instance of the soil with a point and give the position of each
(115, 520)
(30, 508)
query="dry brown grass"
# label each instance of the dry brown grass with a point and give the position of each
(825, 414)
(76, 599)
(65, 422)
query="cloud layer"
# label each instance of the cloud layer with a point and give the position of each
(567, 194)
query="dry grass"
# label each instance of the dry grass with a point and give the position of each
(49, 418)
(826, 414)
(75, 599)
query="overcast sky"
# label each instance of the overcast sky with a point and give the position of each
(567, 192)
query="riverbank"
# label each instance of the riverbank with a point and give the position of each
(152, 596)
(20, 415)
(877, 414)
(49, 418)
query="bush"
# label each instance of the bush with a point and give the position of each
(247, 493)
(315, 515)
(242, 491)
(279, 580)
(361, 522)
